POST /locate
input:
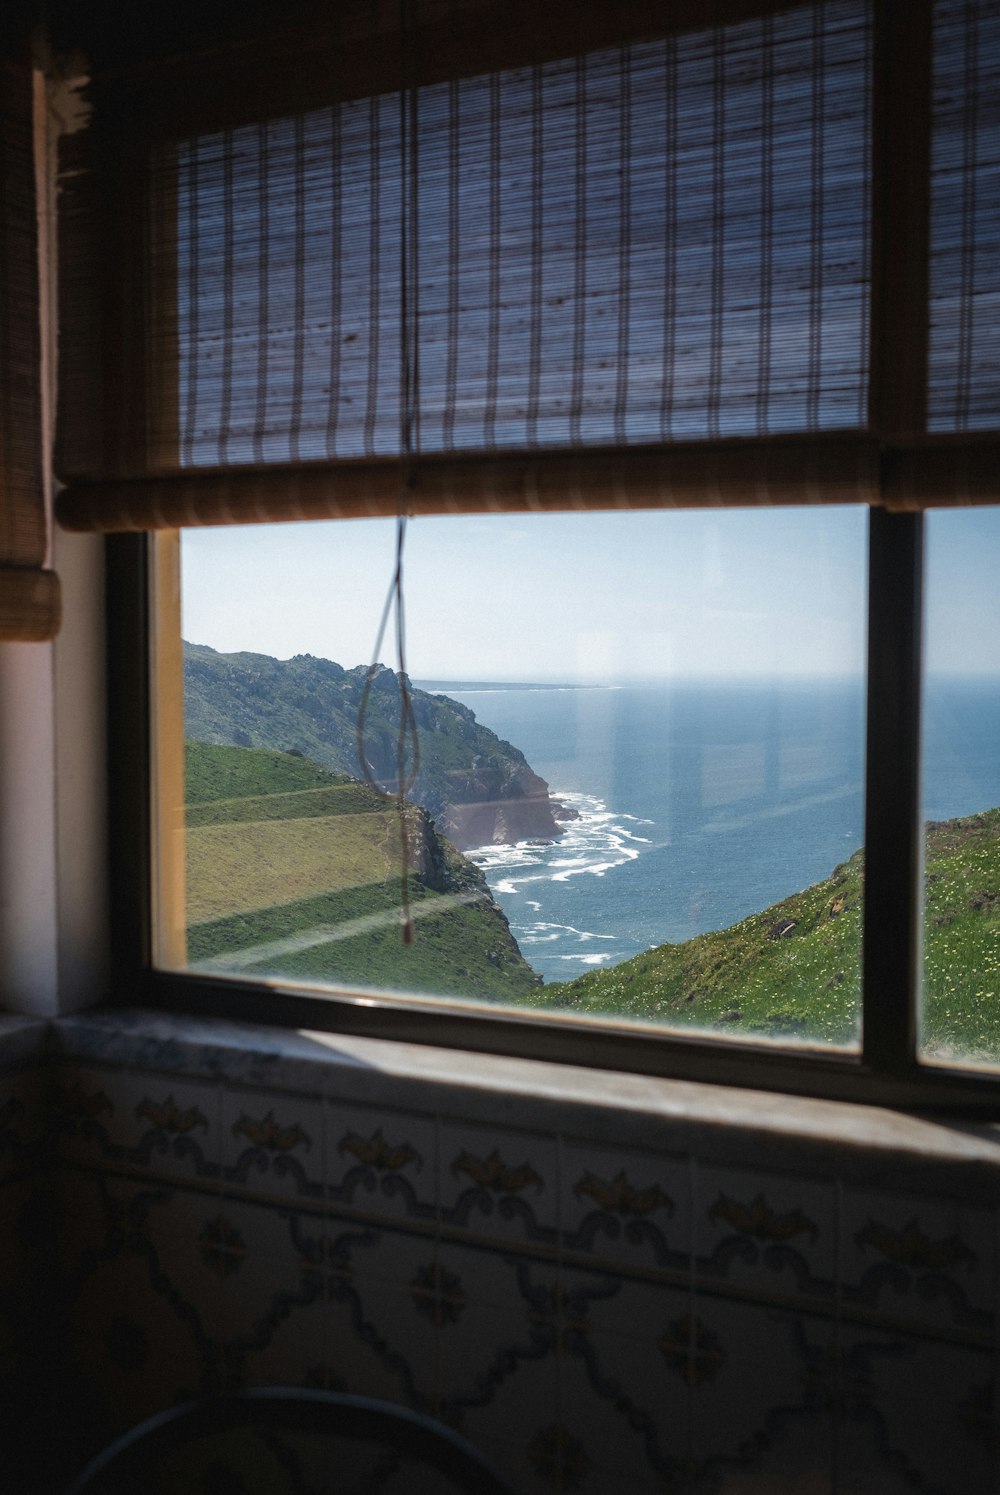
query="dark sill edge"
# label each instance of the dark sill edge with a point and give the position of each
(922, 1089)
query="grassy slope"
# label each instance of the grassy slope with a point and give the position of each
(261, 821)
(762, 977)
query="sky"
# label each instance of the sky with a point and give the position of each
(598, 598)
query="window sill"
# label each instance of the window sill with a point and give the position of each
(825, 1137)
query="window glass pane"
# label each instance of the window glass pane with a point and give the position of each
(641, 759)
(960, 1014)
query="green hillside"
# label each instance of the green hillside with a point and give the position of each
(477, 787)
(294, 871)
(793, 970)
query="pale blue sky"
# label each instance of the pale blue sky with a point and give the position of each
(599, 597)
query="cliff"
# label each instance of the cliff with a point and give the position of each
(478, 788)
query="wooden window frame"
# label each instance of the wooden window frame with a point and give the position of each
(142, 574)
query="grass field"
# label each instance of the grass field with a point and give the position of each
(294, 871)
(793, 970)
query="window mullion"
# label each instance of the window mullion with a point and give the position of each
(893, 834)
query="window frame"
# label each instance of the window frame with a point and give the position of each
(887, 1071)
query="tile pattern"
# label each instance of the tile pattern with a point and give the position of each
(596, 1320)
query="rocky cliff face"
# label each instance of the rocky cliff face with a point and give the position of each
(479, 789)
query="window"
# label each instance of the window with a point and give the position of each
(432, 260)
(688, 690)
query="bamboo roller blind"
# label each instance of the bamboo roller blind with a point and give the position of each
(529, 257)
(29, 595)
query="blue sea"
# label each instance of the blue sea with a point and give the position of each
(701, 803)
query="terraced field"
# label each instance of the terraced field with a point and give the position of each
(294, 871)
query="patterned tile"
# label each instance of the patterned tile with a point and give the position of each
(511, 1281)
(499, 1184)
(745, 1407)
(91, 1121)
(631, 1207)
(920, 1261)
(382, 1163)
(606, 1303)
(23, 1122)
(136, 1314)
(535, 1461)
(626, 1407)
(273, 1145)
(184, 1230)
(881, 1368)
(264, 1258)
(944, 1445)
(392, 1257)
(794, 1454)
(767, 1233)
(493, 1398)
(127, 1377)
(494, 1361)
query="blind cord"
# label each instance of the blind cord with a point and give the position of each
(407, 734)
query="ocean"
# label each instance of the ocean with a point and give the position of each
(701, 803)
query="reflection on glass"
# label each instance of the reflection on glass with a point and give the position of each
(641, 758)
(960, 1012)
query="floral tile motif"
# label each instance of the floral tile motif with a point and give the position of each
(772, 1234)
(381, 1163)
(920, 1261)
(170, 1124)
(89, 1122)
(499, 1184)
(273, 1144)
(438, 1294)
(631, 1207)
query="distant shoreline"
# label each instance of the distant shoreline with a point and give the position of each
(444, 687)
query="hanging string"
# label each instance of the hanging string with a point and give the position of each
(407, 738)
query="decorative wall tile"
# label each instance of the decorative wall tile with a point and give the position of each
(90, 1119)
(743, 1412)
(514, 1281)
(542, 1295)
(627, 1406)
(492, 1397)
(919, 1260)
(496, 1364)
(178, 1121)
(795, 1454)
(23, 1122)
(266, 1259)
(382, 1163)
(187, 1231)
(273, 1145)
(628, 1207)
(499, 1184)
(770, 1233)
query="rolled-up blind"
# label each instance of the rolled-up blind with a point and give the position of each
(517, 256)
(29, 594)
